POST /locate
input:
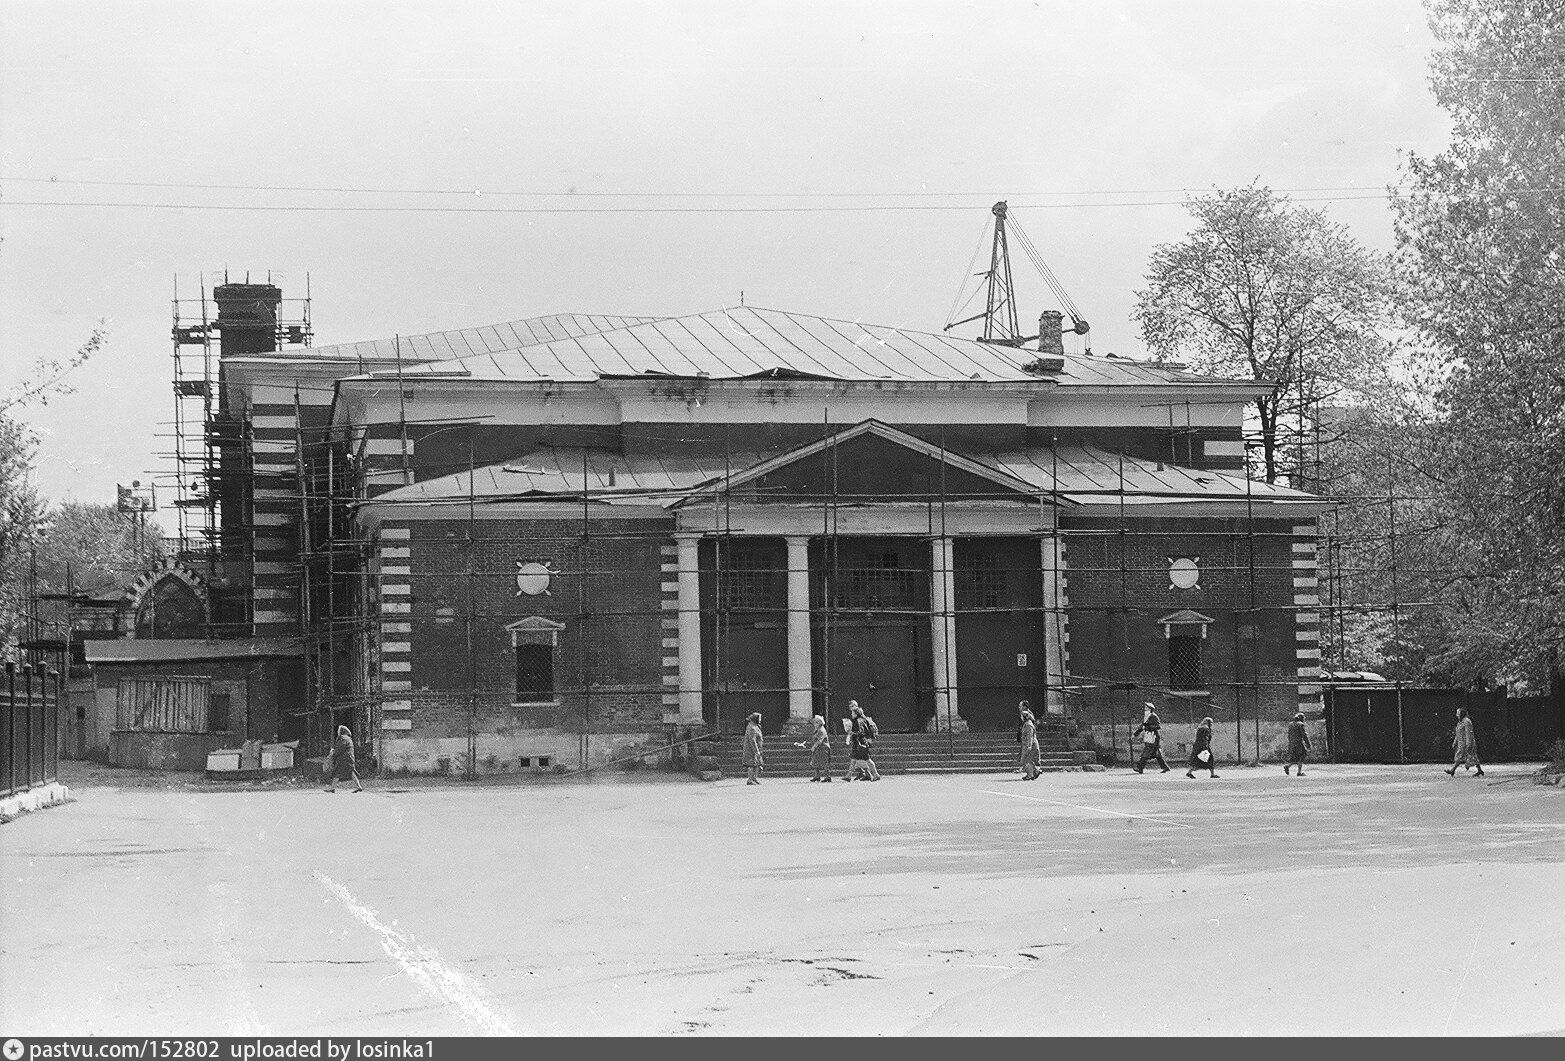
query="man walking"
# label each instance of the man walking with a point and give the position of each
(1298, 744)
(752, 749)
(861, 735)
(1151, 740)
(343, 760)
(1466, 744)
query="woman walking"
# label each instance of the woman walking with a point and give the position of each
(1466, 744)
(1030, 750)
(343, 760)
(1201, 751)
(819, 743)
(753, 759)
(861, 734)
(1298, 744)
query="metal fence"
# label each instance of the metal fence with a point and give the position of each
(1391, 725)
(29, 727)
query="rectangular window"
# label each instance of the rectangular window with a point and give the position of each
(1184, 662)
(877, 580)
(535, 672)
(218, 707)
(980, 582)
(750, 575)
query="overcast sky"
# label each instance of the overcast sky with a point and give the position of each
(675, 154)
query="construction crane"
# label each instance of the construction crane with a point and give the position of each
(999, 315)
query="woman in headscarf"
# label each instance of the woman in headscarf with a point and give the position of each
(819, 743)
(1298, 744)
(1466, 744)
(1030, 750)
(1201, 751)
(342, 761)
(862, 732)
(753, 759)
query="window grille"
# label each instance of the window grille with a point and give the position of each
(1184, 662)
(980, 582)
(750, 575)
(880, 580)
(534, 673)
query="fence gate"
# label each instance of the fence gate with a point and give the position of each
(29, 728)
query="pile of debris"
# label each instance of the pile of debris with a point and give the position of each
(251, 761)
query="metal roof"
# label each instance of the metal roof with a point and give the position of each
(1076, 473)
(752, 343)
(465, 342)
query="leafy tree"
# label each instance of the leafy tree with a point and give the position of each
(1267, 290)
(1481, 256)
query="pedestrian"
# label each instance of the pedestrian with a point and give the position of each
(819, 743)
(1151, 739)
(1030, 749)
(1465, 743)
(861, 735)
(1298, 744)
(342, 761)
(1021, 748)
(1201, 751)
(753, 759)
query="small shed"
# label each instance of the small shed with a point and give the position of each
(166, 703)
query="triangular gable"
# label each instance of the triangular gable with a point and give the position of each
(869, 461)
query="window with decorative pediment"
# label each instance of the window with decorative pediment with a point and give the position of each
(535, 641)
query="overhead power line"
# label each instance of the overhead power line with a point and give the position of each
(861, 209)
(356, 190)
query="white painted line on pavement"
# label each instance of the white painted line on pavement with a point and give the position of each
(1095, 810)
(424, 967)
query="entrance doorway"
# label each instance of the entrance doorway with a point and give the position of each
(877, 664)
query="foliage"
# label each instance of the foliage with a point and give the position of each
(1481, 260)
(21, 511)
(21, 508)
(1266, 290)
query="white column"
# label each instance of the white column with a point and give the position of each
(800, 675)
(1053, 561)
(942, 641)
(689, 630)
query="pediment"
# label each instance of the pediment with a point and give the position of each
(870, 462)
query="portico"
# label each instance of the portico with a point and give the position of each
(865, 596)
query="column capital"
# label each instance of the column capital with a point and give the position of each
(688, 536)
(797, 539)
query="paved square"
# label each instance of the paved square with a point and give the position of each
(1354, 900)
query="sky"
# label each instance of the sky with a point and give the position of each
(431, 164)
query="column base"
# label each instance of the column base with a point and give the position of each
(941, 724)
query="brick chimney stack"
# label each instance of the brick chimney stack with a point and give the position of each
(1051, 336)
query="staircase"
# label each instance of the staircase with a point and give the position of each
(905, 753)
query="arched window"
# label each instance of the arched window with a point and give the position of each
(171, 608)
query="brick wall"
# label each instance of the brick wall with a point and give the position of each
(1119, 588)
(446, 659)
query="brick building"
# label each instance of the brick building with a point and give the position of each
(568, 539)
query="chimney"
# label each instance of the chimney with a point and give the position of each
(246, 318)
(1051, 334)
